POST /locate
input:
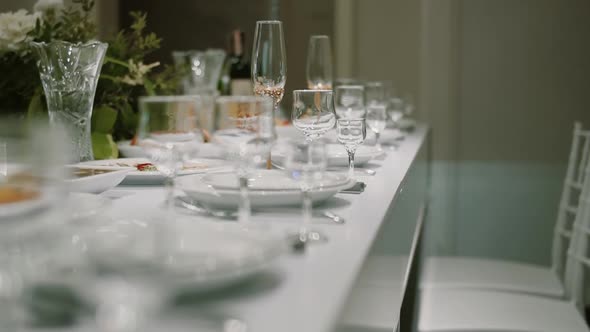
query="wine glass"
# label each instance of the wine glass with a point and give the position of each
(313, 112)
(396, 110)
(377, 120)
(319, 63)
(245, 132)
(306, 163)
(169, 133)
(351, 133)
(350, 101)
(269, 61)
(375, 93)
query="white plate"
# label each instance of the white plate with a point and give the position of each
(195, 166)
(206, 150)
(130, 151)
(337, 155)
(204, 192)
(202, 256)
(97, 183)
(24, 208)
(269, 180)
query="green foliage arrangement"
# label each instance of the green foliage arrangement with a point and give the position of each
(124, 75)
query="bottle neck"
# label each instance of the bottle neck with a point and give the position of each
(237, 43)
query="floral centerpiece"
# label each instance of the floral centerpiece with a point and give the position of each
(124, 76)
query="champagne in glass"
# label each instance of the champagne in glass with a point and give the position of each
(319, 63)
(269, 61)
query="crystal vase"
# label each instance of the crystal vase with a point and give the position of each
(69, 74)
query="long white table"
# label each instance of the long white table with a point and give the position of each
(311, 291)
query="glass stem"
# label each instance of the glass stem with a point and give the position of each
(169, 187)
(377, 141)
(350, 163)
(244, 207)
(306, 214)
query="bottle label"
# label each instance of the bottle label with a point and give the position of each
(241, 87)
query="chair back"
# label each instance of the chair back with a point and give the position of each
(569, 202)
(578, 254)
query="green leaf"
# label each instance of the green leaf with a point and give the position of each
(129, 118)
(103, 146)
(103, 119)
(36, 107)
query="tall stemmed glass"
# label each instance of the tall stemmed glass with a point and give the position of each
(350, 101)
(351, 133)
(245, 133)
(169, 133)
(319, 63)
(313, 112)
(306, 163)
(375, 98)
(269, 61)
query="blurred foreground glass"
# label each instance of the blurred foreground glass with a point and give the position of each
(69, 74)
(313, 112)
(269, 61)
(306, 163)
(202, 69)
(245, 133)
(319, 63)
(32, 159)
(169, 133)
(351, 134)
(350, 101)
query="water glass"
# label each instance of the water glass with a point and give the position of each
(203, 69)
(375, 93)
(169, 133)
(376, 121)
(313, 112)
(396, 110)
(351, 134)
(350, 101)
(319, 63)
(245, 132)
(306, 163)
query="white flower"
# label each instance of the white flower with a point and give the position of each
(45, 5)
(137, 71)
(14, 27)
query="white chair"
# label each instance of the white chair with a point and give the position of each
(461, 309)
(489, 274)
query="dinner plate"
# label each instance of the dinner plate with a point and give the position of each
(337, 155)
(99, 181)
(223, 193)
(206, 150)
(199, 257)
(194, 166)
(24, 207)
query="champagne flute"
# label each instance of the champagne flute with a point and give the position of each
(306, 163)
(319, 63)
(313, 112)
(168, 131)
(269, 61)
(246, 134)
(351, 133)
(350, 101)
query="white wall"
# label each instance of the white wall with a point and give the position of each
(501, 82)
